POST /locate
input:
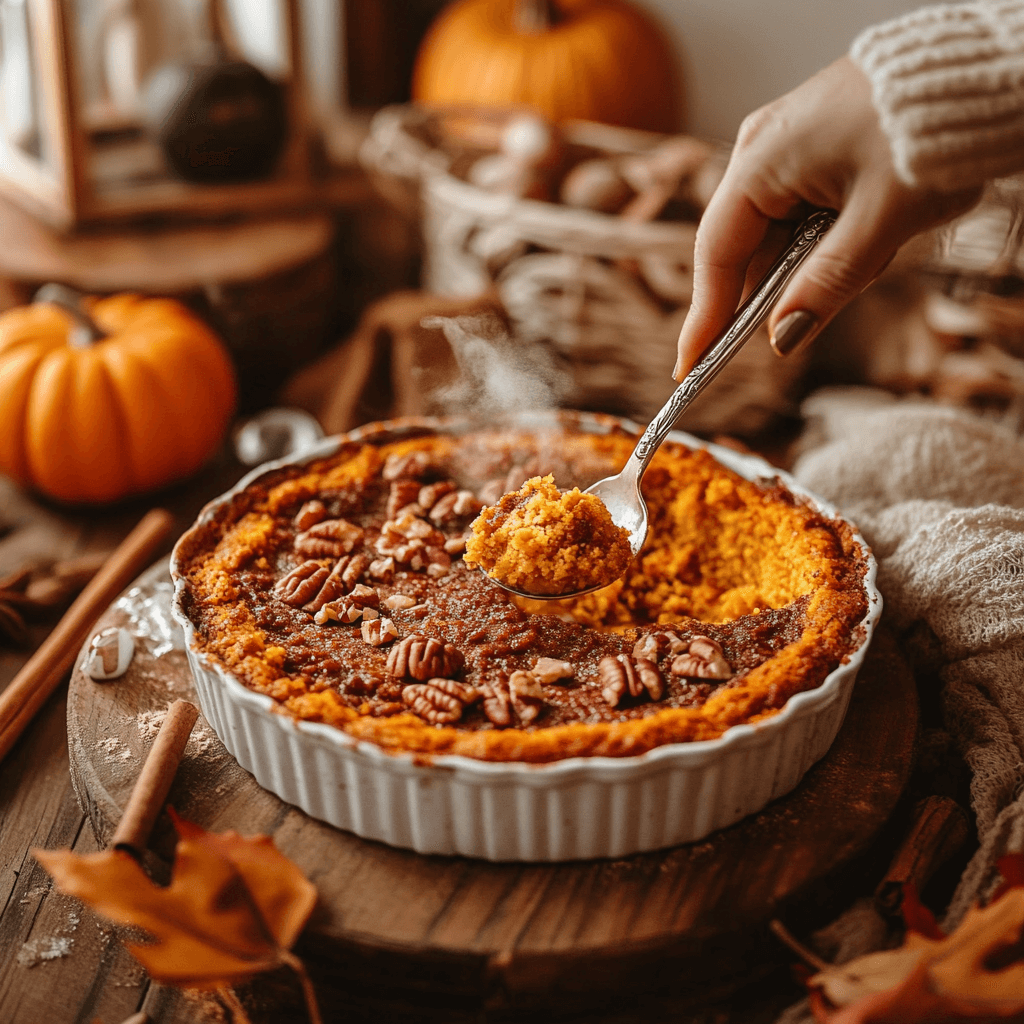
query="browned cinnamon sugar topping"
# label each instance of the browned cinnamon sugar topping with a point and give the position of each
(542, 541)
(338, 588)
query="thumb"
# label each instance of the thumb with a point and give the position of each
(851, 255)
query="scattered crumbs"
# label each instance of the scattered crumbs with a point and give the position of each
(200, 742)
(38, 951)
(149, 722)
(113, 747)
(33, 894)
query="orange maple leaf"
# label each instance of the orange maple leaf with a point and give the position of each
(235, 905)
(975, 974)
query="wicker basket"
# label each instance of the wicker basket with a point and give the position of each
(607, 294)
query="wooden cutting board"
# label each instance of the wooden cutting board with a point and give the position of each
(397, 935)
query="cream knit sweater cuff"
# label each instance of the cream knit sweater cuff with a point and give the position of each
(948, 83)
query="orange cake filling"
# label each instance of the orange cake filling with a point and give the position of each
(544, 541)
(339, 589)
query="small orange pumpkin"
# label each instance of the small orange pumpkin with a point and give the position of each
(598, 60)
(91, 421)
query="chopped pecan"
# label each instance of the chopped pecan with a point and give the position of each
(438, 562)
(330, 539)
(497, 704)
(302, 584)
(622, 676)
(310, 514)
(362, 684)
(398, 602)
(382, 569)
(378, 632)
(361, 603)
(526, 695)
(653, 645)
(550, 670)
(704, 660)
(455, 545)
(436, 702)
(412, 464)
(391, 689)
(491, 492)
(402, 494)
(430, 494)
(387, 709)
(421, 657)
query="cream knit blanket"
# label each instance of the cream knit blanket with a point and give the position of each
(939, 495)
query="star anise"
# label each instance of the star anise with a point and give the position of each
(12, 600)
(33, 594)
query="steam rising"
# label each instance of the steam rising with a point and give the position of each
(497, 375)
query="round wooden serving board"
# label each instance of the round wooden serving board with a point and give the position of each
(460, 939)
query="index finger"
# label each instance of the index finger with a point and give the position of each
(730, 232)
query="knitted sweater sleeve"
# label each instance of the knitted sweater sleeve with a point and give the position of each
(948, 84)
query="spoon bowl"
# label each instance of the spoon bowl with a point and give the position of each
(621, 492)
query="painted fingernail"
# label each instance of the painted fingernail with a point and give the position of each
(793, 331)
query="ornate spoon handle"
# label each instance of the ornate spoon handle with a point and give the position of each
(748, 319)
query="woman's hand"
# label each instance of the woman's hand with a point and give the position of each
(818, 146)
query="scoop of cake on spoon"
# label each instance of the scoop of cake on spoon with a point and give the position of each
(547, 545)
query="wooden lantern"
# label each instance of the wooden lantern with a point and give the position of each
(71, 163)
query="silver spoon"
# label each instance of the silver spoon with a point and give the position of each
(621, 493)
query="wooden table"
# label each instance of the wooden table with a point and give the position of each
(60, 964)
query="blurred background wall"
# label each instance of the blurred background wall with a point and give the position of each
(739, 54)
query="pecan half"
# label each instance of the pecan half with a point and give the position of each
(550, 670)
(455, 545)
(421, 657)
(497, 704)
(378, 632)
(437, 702)
(302, 584)
(310, 514)
(653, 645)
(527, 697)
(330, 539)
(622, 676)
(411, 464)
(430, 494)
(402, 494)
(703, 660)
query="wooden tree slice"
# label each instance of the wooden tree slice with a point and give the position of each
(460, 939)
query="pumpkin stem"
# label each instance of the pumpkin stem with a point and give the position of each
(531, 17)
(86, 331)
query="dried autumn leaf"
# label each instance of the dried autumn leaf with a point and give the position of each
(975, 974)
(234, 907)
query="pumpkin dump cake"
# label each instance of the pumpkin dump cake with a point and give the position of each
(543, 541)
(338, 587)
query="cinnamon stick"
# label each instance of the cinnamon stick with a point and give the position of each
(43, 672)
(938, 830)
(156, 777)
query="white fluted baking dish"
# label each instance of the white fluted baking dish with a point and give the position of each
(566, 810)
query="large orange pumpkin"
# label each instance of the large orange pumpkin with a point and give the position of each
(93, 421)
(599, 60)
